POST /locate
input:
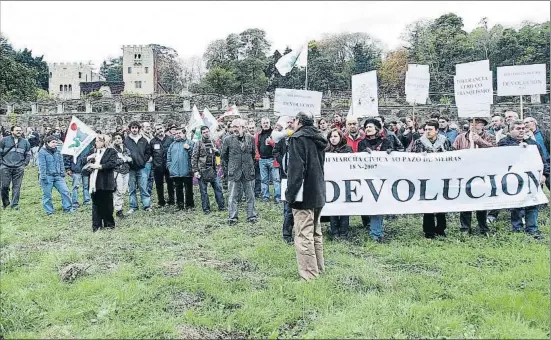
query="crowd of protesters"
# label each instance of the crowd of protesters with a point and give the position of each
(242, 162)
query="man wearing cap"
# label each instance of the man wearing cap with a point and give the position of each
(476, 137)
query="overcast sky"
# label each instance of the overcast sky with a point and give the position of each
(92, 31)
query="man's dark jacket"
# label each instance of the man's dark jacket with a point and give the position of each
(159, 149)
(140, 152)
(306, 161)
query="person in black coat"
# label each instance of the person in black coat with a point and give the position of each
(102, 163)
(337, 144)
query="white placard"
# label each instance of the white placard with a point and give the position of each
(417, 84)
(410, 183)
(521, 80)
(284, 188)
(288, 102)
(365, 101)
(481, 65)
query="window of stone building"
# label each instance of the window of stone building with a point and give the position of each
(65, 88)
(135, 56)
(80, 75)
(138, 84)
(60, 88)
(70, 88)
(146, 69)
(139, 56)
(129, 69)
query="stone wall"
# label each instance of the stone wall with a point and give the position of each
(108, 122)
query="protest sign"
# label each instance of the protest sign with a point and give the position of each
(365, 101)
(77, 138)
(417, 84)
(473, 88)
(521, 80)
(410, 183)
(288, 102)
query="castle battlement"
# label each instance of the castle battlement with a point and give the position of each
(67, 64)
(135, 47)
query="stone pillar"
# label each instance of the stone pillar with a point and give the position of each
(10, 108)
(34, 108)
(151, 105)
(225, 103)
(118, 107)
(60, 108)
(266, 103)
(88, 106)
(187, 105)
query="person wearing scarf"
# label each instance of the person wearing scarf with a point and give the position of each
(374, 141)
(432, 141)
(102, 164)
(339, 225)
(51, 175)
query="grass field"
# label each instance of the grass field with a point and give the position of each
(171, 274)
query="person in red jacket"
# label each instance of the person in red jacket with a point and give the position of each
(269, 168)
(353, 134)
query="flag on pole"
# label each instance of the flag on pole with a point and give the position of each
(195, 122)
(78, 137)
(294, 58)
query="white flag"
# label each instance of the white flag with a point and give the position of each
(209, 120)
(78, 137)
(297, 57)
(195, 122)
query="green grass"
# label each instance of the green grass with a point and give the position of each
(172, 274)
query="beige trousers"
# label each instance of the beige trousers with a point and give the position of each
(308, 242)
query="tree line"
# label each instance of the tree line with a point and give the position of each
(242, 63)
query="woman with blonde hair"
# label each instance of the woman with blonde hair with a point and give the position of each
(102, 164)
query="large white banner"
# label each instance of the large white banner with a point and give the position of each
(288, 102)
(521, 80)
(410, 183)
(365, 100)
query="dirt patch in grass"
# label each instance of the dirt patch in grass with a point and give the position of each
(190, 332)
(72, 271)
(183, 301)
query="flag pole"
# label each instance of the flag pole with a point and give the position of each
(306, 80)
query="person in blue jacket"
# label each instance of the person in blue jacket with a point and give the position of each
(179, 167)
(52, 175)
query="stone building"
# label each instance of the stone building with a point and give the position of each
(139, 70)
(65, 79)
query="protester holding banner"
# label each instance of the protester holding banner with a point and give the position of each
(102, 164)
(374, 141)
(475, 138)
(446, 130)
(306, 175)
(239, 151)
(353, 134)
(516, 136)
(409, 134)
(15, 155)
(52, 175)
(433, 141)
(339, 225)
(140, 151)
(79, 176)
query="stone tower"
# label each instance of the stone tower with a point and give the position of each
(65, 79)
(138, 71)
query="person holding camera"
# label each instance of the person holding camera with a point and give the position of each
(203, 162)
